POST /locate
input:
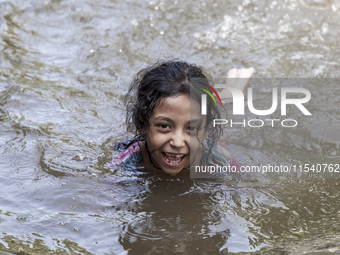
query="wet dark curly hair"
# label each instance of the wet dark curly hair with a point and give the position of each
(167, 78)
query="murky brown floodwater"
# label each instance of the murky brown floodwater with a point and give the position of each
(64, 67)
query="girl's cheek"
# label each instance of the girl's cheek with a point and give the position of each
(158, 137)
(201, 134)
(194, 143)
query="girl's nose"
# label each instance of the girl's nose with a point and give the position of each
(177, 141)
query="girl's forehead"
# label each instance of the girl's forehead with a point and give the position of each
(182, 100)
(178, 105)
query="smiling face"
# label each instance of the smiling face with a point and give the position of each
(175, 135)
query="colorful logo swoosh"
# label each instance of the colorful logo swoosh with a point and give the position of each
(213, 90)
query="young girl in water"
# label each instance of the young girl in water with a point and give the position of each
(164, 111)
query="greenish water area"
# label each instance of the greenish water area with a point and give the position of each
(64, 69)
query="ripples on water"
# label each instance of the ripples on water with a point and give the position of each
(64, 67)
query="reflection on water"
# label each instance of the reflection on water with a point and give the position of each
(64, 67)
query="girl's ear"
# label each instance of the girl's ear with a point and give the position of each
(139, 128)
(144, 133)
(140, 133)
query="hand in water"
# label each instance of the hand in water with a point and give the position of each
(237, 78)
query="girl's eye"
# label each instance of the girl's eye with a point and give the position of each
(192, 129)
(163, 126)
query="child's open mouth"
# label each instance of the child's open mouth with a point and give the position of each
(172, 159)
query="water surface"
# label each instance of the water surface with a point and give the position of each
(64, 67)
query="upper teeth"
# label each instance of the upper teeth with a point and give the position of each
(172, 155)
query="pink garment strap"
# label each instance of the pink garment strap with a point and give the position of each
(126, 154)
(235, 163)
